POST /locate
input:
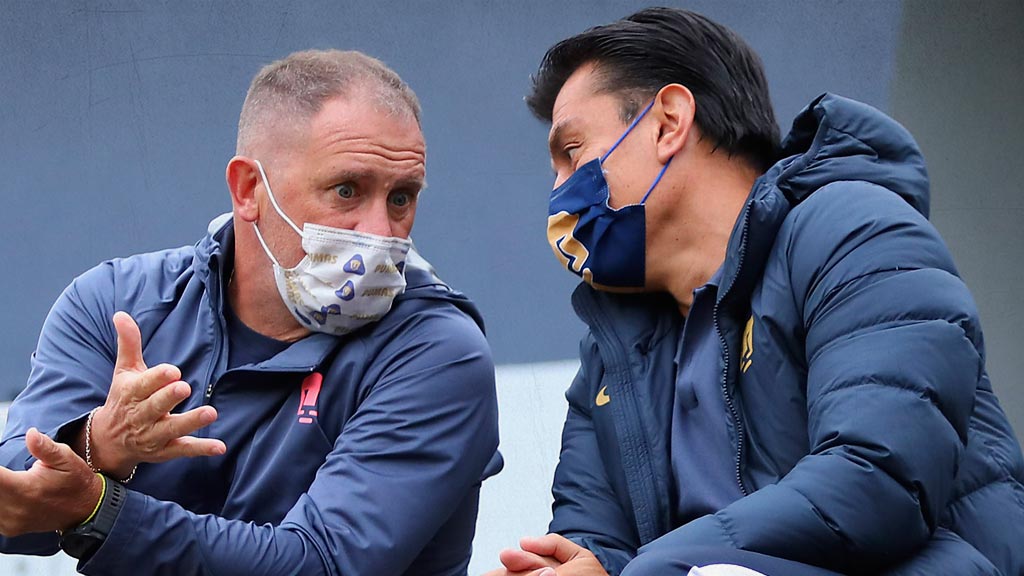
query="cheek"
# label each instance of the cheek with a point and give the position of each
(628, 180)
(289, 251)
(620, 191)
(402, 227)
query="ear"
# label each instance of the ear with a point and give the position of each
(243, 176)
(674, 108)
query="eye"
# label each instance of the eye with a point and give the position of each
(402, 199)
(345, 191)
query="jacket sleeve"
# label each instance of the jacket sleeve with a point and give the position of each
(894, 354)
(70, 374)
(415, 450)
(586, 509)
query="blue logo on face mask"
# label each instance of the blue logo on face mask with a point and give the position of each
(604, 246)
(355, 265)
(346, 292)
(321, 315)
(301, 317)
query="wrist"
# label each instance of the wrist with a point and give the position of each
(89, 504)
(97, 448)
(83, 540)
(99, 500)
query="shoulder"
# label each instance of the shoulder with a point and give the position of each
(137, 281)
(423, 335)
(438, 314)
(855, 254)
(845, 215)
(848, 230)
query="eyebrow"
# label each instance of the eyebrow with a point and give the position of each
(558, 136)
(420, 184)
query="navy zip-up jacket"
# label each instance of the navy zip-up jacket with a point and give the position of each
(867, 438)
(349, 455)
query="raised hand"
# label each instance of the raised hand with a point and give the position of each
(135, 424)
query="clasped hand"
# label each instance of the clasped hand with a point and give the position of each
(550, 555)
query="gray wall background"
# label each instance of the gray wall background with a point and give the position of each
(117, 118)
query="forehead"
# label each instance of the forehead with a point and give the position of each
(358, 124)
(581, 102)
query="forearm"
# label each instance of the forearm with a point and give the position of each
(151, 538)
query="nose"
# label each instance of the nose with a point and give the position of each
(375, 219)
(560, 177)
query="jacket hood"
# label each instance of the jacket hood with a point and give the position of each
(214, 253)
(835, 138)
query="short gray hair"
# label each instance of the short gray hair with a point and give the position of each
(297, 86)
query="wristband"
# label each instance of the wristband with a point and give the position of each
(83, 541)
(103, 493)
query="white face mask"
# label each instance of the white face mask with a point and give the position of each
(347, 279)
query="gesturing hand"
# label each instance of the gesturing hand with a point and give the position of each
(135, 424)
(57, 492)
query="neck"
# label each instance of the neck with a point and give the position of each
(687, 239)
(253, 293)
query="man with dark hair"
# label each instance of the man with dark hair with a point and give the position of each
(299, 342)
(783, 371)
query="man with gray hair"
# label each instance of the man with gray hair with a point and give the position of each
(295, 350)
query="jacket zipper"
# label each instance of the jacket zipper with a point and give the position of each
(737, 422)
(218, 340)
(621, 362)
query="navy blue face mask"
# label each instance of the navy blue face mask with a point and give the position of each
(604, 246)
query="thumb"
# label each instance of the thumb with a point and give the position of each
(554, 545)
(520, 561)
(48, 452)
(129, 344)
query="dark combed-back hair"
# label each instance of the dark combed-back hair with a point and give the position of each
(638, 55)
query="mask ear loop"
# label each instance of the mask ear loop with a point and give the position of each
(273, 200)
(628, 130)
(656, 180)
(284, 216)
(623, 137)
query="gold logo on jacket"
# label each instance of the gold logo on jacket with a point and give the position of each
(602, 397)
(748, 345)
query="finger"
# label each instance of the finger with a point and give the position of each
(160, 402)
(176, 425)
(544, 572)
(154, 379)
(129, 344)
(520, 560)
(192, 447)
(554, 545)
(48, 452)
